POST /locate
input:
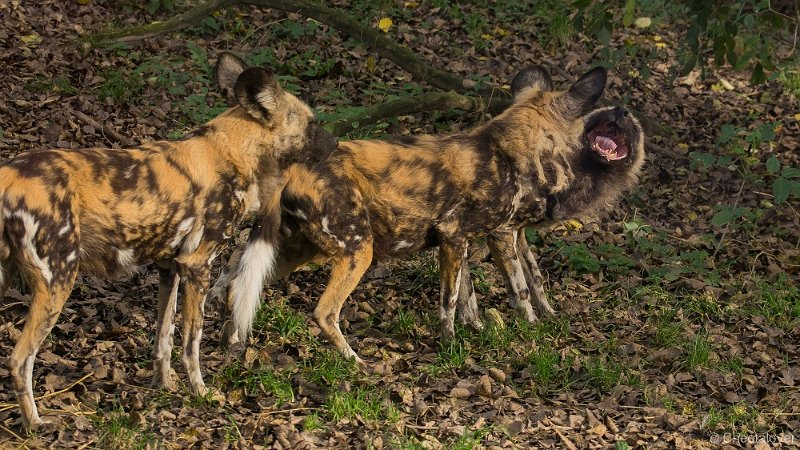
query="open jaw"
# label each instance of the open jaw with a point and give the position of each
(608, 141)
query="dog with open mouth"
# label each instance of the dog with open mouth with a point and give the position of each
(609, 166)
(548, 157)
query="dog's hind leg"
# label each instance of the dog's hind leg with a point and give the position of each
(165, 326)
(533, 276)
(346, 271)
(467, 311)
(46, 304)
(452, 257)
(503, 247)
(195, 271)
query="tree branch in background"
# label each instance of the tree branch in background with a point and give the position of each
(430, 101)
(492, 98)
(372, 38)
(177, 23)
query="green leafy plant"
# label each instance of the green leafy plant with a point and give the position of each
(738, 32)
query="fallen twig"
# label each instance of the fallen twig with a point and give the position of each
(6, 406)
(106, 129)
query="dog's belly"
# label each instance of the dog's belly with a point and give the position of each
(118, 248)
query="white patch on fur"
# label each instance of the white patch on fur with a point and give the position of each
(71, 257)
(298, 213)
(324, 222)
(192, 241)
(402, 244)
(255, 265)
(126, 258)
(64, 230)
(31, 227)
(211, 258)
(183, 230)
(358, 238)
(251, 200)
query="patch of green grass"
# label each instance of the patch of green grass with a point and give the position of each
(545, 365)
(739, 418)
(470, 439)
(778, 302)
(733, 364)
(479, 280)
(232, 433)
(258, 380)
(58, 85)
(697, 352)
(329, 367)
(422, 271)
(452, 355)
(120, 87)
(278, 317)
(668, 330)
(312, 422)
(367, 404)
(703, 308)
(403, 323)
(604, 373)
(117, 430)
(790, 79)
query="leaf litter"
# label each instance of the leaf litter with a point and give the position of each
(685, 332)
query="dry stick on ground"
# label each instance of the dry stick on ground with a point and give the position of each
(494, 97)
(105, 129)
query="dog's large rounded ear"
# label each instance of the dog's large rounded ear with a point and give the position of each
(535, 77)
(226, 71)
(258, 91)
(583, 95)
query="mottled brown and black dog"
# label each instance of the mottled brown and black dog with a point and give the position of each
(105, 212)
(549, 156)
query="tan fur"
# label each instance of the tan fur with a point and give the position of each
(105, 212)
(531, 164)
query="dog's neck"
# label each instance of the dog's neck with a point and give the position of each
(240, 146)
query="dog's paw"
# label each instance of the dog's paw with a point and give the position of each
(527, 312)
(230, 336)
(165, 381)
(44, 424)
(544, 308)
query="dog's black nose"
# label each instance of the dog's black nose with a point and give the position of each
(620, 114)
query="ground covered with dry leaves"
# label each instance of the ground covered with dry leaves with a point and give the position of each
(678, 312)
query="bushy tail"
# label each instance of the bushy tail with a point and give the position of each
(255, 265)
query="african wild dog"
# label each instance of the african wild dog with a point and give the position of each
(104, 212)
(509, 248)
(549, 156)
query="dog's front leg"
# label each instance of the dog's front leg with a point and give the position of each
(503, 247)
(165, 326)
(533, 276)
(452, 254)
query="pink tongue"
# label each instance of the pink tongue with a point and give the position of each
(605, 143)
